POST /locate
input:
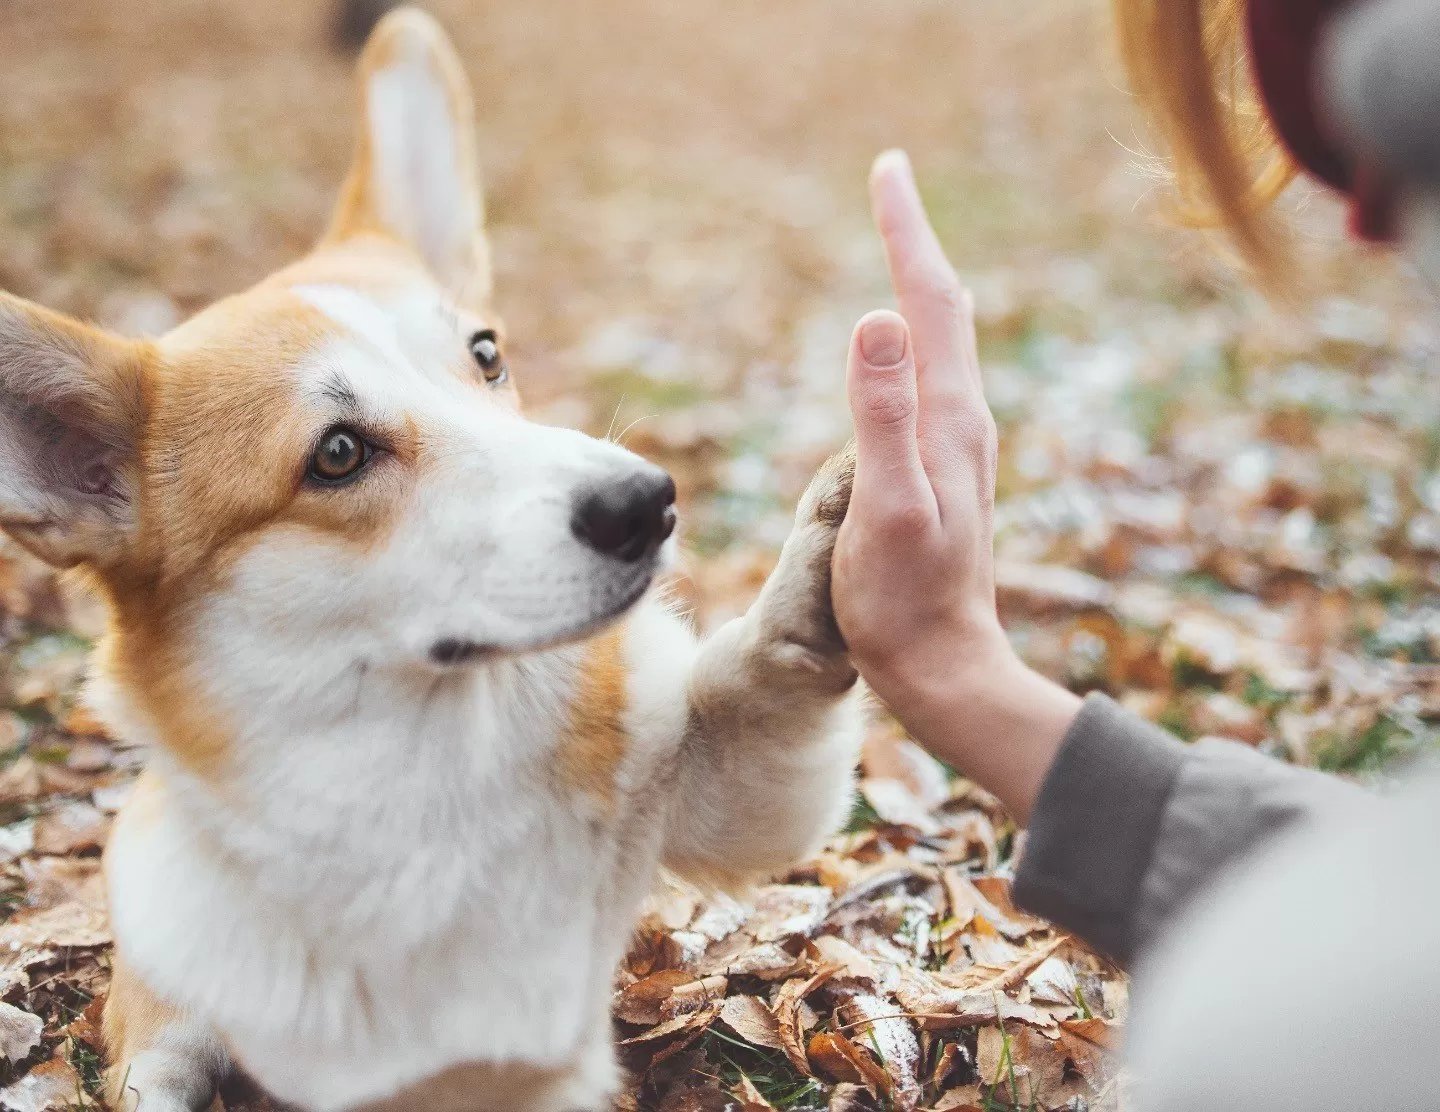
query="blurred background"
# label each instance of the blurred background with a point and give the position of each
(1226, 515)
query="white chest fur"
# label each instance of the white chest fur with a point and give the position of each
(380, 894)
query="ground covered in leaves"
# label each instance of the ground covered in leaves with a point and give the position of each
(1225, 515)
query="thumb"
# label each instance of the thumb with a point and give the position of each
(884, 403)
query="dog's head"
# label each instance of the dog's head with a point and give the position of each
(337, 456)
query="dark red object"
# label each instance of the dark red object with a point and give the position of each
(1284, 37)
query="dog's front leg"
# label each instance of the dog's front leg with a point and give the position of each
(766, 766)
(160, 1059)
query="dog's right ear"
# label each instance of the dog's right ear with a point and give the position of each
(71, 414)
(414, 177)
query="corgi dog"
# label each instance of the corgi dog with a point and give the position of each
(423, 736)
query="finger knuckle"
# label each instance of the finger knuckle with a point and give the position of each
(990, 432)
(907, 520)
(890, 407)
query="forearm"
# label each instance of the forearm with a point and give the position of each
(1001, 725)
(1130, 825)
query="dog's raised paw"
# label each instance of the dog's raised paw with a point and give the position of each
(799, 626)
(827, 498)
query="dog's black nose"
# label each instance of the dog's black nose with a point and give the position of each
(627, 518)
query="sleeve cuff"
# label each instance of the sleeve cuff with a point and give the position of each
(1094, 825)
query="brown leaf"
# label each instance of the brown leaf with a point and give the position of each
(754, 1100)
(50, 1087)
(87, 1028)
(73, 923)
(964, 1099)
(693, 1023)
(1053, 982)
(72, 827)
(895, 804)
(945, 1063)
(785, 910)
(787, 1016)
(849, 1097)
(644, 1001)
(968, 899)
(839, 1059)
(879, 1022)
(1100, 1032)
(57, 779)
(888, 755)
(19, 1032)
(751, 1019)
(50, 881)
(690, 997)
(702, 1096)
(89, 756)
(20, 783)
(81, 722)
(1012, 976)
(738, 957)
(936, 1008)
(849, 962)
(999, 891)
(1038, 590)
(1021, 1061)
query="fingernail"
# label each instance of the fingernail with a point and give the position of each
(882, 340)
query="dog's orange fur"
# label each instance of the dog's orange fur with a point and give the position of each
(590, 754)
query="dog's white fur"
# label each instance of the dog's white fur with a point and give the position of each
(390, 877)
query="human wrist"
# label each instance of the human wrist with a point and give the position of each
(933, 677)
(979, 707)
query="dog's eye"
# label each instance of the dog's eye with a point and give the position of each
(485, 347)
(342, 452)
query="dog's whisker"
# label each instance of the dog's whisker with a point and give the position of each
(620, 440)
(614, 417)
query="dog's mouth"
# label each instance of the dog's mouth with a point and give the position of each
(459, 651)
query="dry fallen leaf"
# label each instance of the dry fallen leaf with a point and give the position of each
(787, 1015)
(692, 1022)
(644, 1001)
(73, 827)
(879, 1022)
(20, 783)
(50, 1087)
(968, 900)
(839, 1059)
(1022, 1062)
(73, 923)
(965, 1098)
(751, 1019)
(19, 1032)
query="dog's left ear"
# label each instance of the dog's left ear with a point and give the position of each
(414, 178)
(72, 404)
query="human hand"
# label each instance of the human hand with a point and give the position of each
(914, 583)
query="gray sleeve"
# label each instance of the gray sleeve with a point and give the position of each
(1131, 823)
